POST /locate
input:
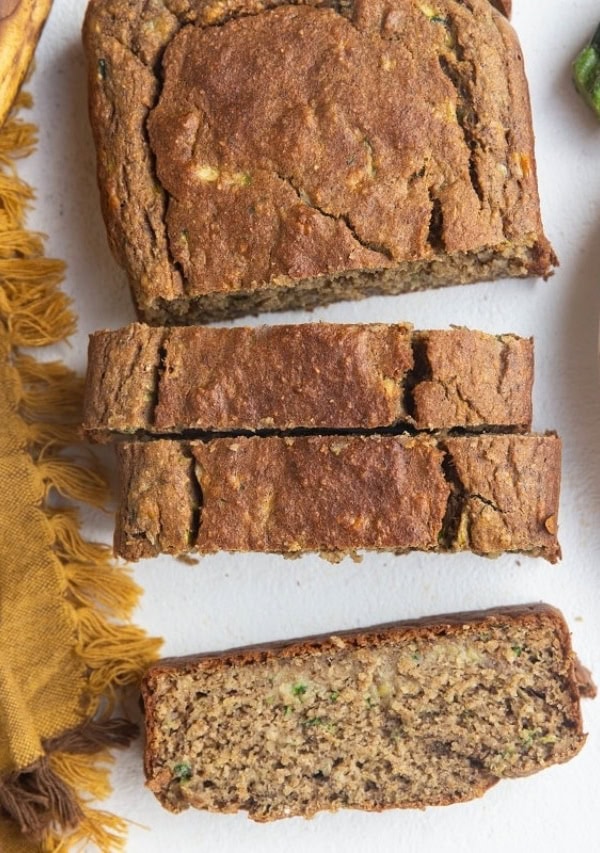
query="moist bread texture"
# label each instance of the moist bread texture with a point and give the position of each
(262, 155)
(399, 716)
(340, 494)
(168, 381)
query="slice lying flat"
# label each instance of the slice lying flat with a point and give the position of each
(399, 716)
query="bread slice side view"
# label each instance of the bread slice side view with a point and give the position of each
(340, 494)
(167, 381)
(399, 716)
(391, 150)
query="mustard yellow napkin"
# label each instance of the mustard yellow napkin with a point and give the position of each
(67, 653)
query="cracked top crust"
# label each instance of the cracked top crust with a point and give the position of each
(335, 494)
(167, 381)
(295, 141)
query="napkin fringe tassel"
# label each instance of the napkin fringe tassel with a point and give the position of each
(50, 799)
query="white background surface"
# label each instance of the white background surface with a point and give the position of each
(227, 601)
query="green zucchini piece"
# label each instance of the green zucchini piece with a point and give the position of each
(586, 73)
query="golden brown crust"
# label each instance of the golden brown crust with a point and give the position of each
(315, 494)
(504, 6)
(510, 502)
(158, 503)
(338, 494)
(121, 380)
(532, 619)
(153, 381)
(406, 630)
(585, 683)
(472, 380)
(306, 195)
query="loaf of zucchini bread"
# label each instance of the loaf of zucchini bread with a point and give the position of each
(406, 715)
(259, 155)
(340, 494)
(170, 381)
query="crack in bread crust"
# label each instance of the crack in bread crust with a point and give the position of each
(183, 270)
(339, 494)
(288, 379)
(343, 217)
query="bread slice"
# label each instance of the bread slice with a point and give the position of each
(170, 381)
(260, 155)
(407, 715)
(339, 494)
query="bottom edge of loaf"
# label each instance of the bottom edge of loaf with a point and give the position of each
(533, 258)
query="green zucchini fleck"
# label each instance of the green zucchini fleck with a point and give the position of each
(586, 73)
(528, 736)
(322, 722)
(299, 689)
(182, 772)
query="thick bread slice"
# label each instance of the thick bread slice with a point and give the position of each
(153, 381)
(406, 715)
(261, 155)
(340, 494)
